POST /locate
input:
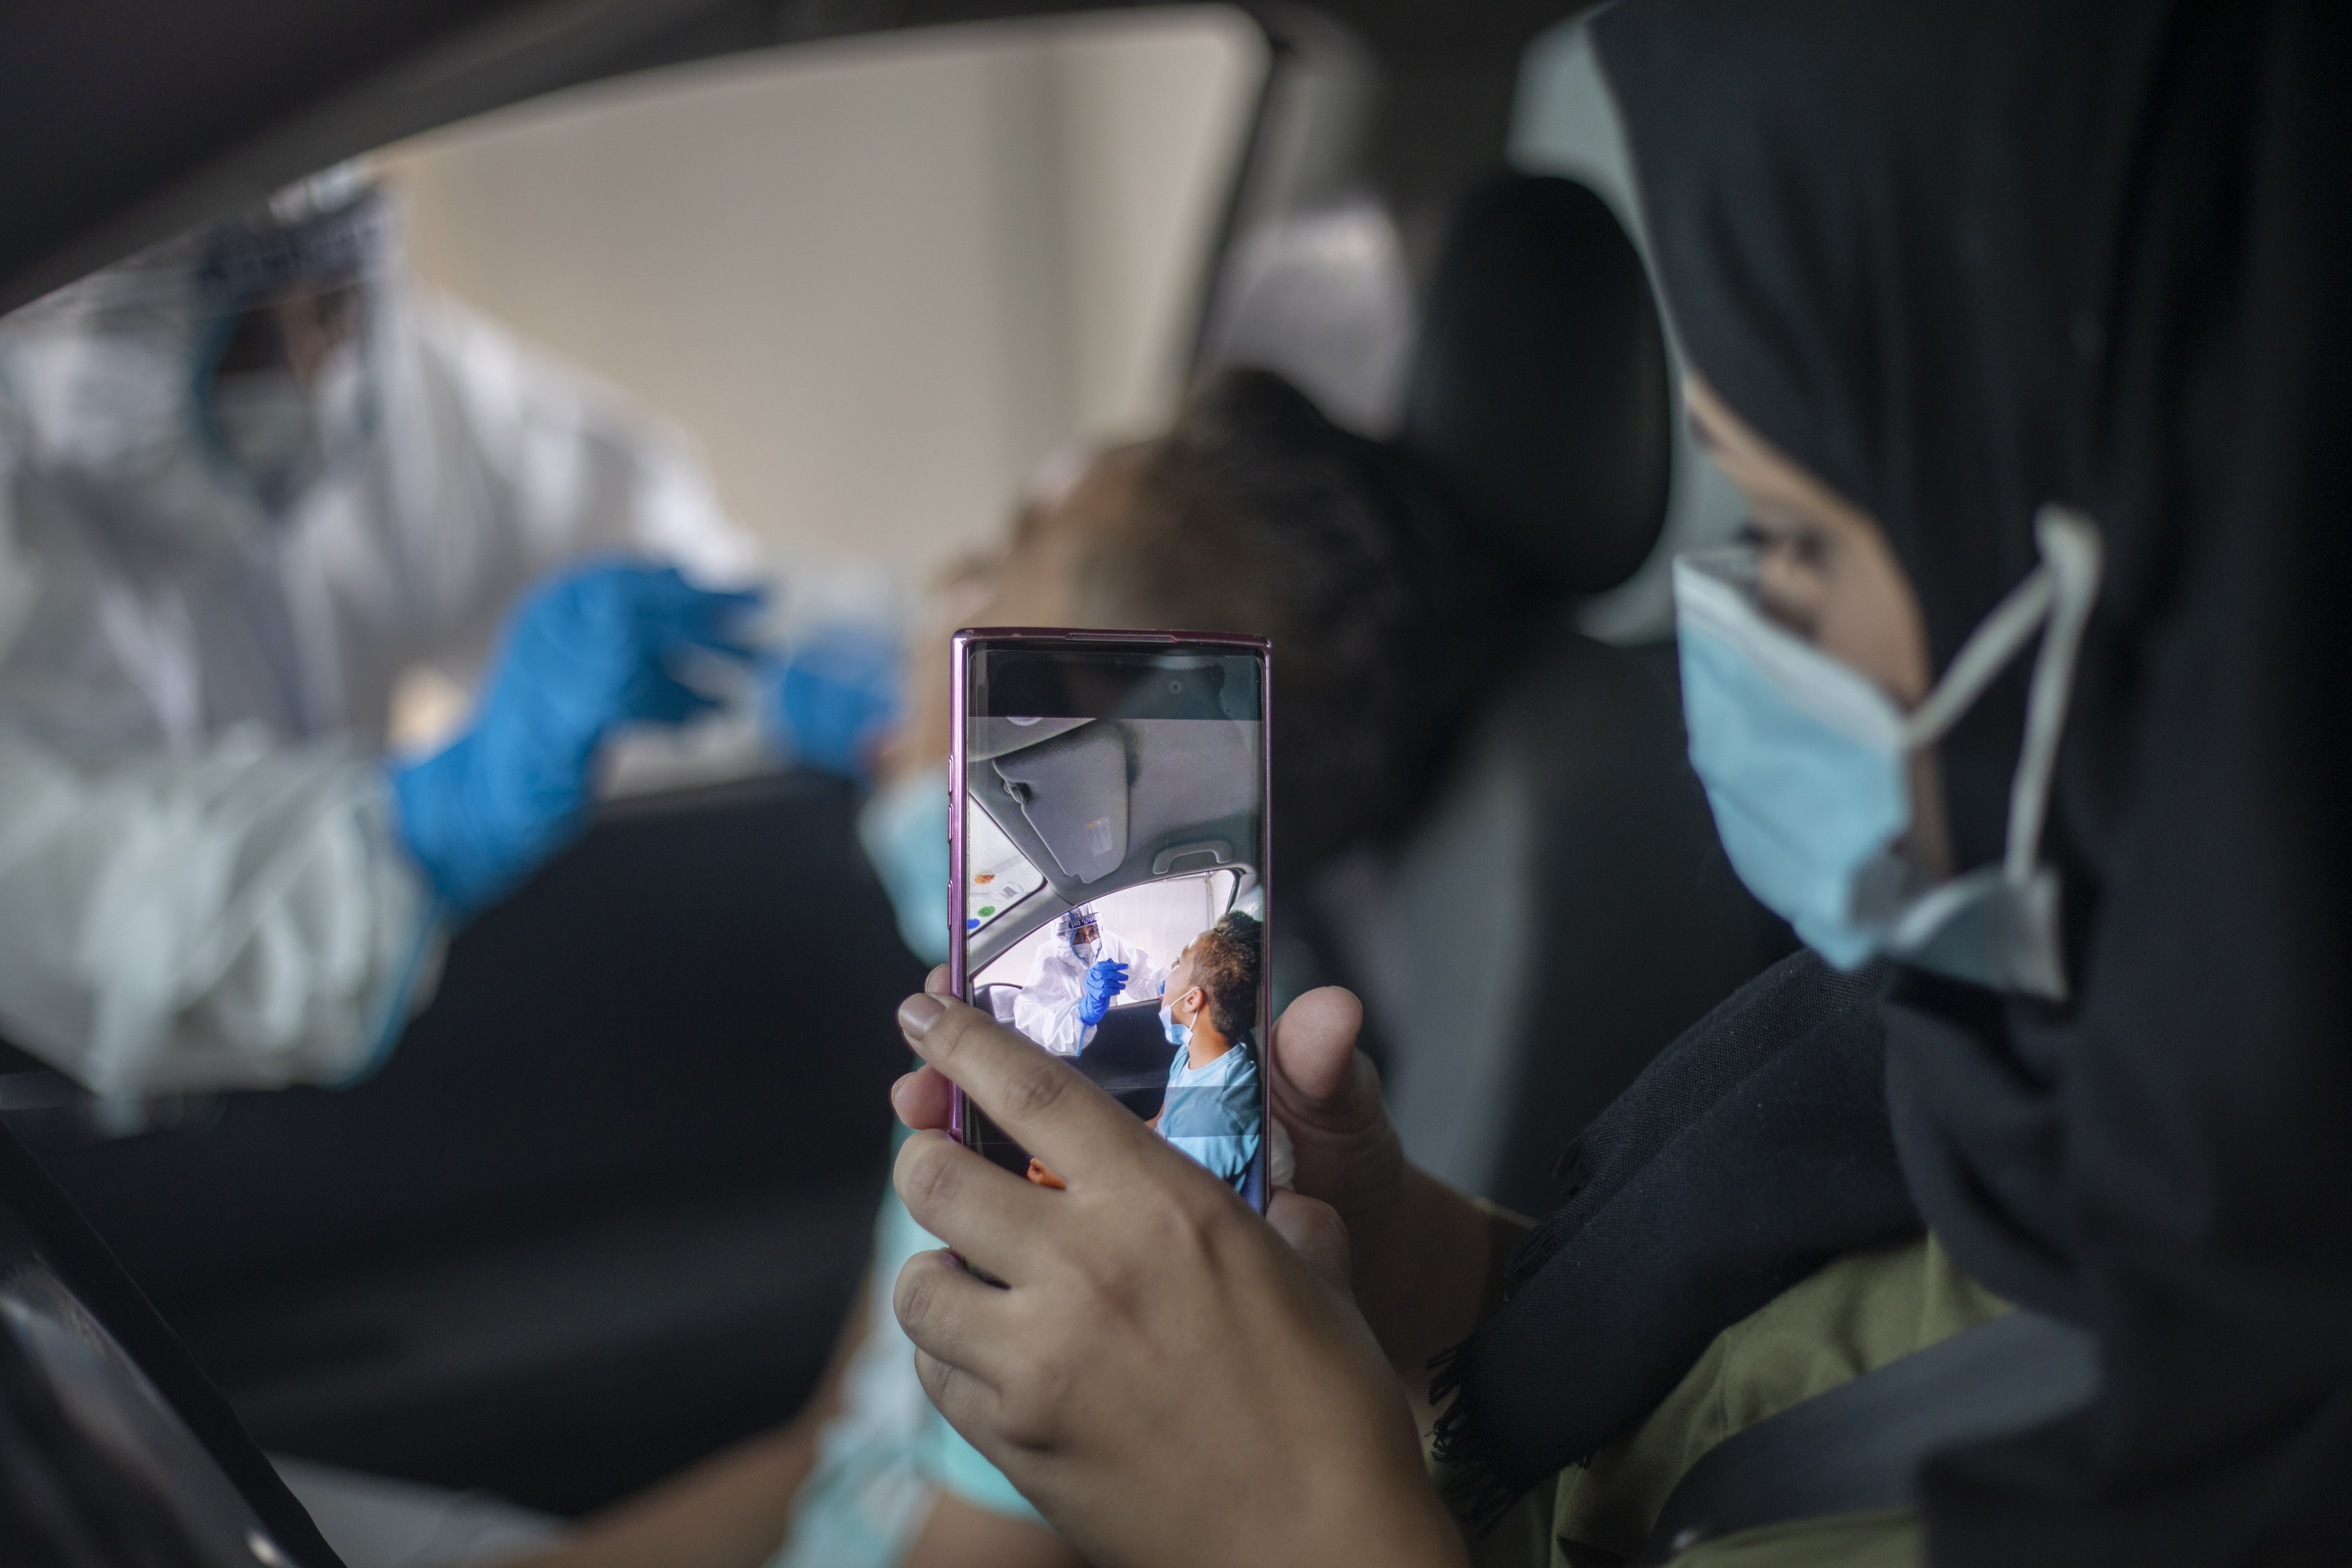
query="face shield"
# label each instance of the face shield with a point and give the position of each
(1084, 933)
(195, 395)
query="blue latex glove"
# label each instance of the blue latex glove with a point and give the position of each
(1105, 981)
(833, 697)
(584, 653)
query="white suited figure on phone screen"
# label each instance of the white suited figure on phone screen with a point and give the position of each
(1078, 978)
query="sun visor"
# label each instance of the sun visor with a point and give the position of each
(1071, 791)
(992, 737)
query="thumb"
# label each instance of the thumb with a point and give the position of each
(1321, 1082)
(1317, 1234)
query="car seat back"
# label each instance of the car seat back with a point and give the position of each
(1563, 909)
(1539, 386)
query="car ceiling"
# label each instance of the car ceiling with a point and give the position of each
(130, 119)
(1179, 795)
(1155, 785)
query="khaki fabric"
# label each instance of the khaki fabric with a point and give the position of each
(1855, 1315)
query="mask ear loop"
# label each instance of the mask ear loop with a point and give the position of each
(2072, 558)
(2061, 591)
(1984, 656)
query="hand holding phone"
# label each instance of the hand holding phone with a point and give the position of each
(1164, 1373)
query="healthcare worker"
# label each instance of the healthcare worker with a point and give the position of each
(249, 479)
(1077, 979)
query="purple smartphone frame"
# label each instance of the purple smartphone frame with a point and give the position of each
(960, 660)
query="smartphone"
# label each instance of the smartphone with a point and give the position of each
(1107, 835)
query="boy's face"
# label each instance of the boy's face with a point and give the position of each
(1184, 996)
(1034, 583)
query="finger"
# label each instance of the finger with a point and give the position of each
(665, 589)
(663, 700)
(736, 601)
(952, 1317)
(725, 644)
(987, 1214)
(971, 1405)
(666, 604)
(924, 1100)
(1044, 1104)
(1327, 1095)
(1317, 1234)
(1315, 1042)
(1321, 1084)
(723, 622)
(936, 983)
(695, 628)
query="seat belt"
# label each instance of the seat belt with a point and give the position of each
(1859, 1447)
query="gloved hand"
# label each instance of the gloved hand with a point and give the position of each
(833, 697)
(1105, 981)
(584, 653)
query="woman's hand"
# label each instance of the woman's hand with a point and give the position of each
(1166, 1378)
(1420, 1249)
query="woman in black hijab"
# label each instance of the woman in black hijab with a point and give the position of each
(1959, 261)
(1938, 268)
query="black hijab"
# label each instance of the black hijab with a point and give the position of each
(1961, 259)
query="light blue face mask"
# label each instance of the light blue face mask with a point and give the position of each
(1807, 766)
(1179, 1035)
(904, 831)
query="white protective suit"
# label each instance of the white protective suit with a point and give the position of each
(1047, 1008)
(200, 885)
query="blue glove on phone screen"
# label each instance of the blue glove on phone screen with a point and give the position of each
(1105, 981)
(585, 653)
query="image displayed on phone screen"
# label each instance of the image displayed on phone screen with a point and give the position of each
(1113, 830)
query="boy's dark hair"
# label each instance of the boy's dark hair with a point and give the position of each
(1386, 615)
(1229, 960)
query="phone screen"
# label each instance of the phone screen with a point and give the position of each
(1111, 859)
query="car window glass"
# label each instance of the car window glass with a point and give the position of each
(1156, 919)
(877, 280)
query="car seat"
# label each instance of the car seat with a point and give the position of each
(1563, 909)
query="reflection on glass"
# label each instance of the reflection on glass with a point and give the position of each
(112, 1444)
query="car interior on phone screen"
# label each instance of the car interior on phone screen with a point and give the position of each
(512, 521)
(1114, 903)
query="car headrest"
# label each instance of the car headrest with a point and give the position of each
(1538, 384)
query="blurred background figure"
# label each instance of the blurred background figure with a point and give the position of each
(254, 493)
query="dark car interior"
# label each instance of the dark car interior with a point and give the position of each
(604, 1205)
(602, 1210)
(1127, 1056)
